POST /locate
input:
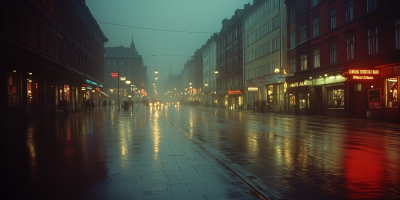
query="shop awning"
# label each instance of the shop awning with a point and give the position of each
(104, 94)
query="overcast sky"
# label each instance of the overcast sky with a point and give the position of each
(170, 48)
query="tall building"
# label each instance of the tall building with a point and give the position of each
(209, 67)
(265, 55)
(230, 61)
(129, 64)
(52, 54)
(346, 57)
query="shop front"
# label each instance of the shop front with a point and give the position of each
(365, 89)
(235, 99)
(318, 95)
(266, 93)
(390, 80)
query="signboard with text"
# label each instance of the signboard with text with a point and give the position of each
(252, 89)
(363, 74)
(235, 92)
(114, 74)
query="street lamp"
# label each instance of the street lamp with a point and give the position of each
(156, 72)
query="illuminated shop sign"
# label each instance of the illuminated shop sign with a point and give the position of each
(235, 92)
(363, 77)
(114, 74)
(364, 71)
(91, 82)
(89, 87)
(252, 89)
(296, 84)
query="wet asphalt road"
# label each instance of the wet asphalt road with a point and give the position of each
(200, 153)
(298, 157)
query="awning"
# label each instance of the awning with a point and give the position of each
(103, 93)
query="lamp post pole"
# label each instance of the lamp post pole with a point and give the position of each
(118, 89)
(132, 94)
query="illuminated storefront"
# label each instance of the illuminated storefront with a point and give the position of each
(390, 95)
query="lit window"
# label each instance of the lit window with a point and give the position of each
(303, 61)
(392, 100)
(373, 41)
(316, 58)
(336, 98)
(350, 47)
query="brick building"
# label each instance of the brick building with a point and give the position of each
(346, 56)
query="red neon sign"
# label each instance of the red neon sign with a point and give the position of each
(364, 71)
(235, 92)
(114, 74)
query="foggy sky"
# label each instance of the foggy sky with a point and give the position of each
(170, 48)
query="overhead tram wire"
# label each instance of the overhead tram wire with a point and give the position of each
(155, 29)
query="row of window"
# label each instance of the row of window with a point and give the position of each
(265, 29)
(373, 44)
(260, 13)
(269, 47)
(264, 70)
(48, 41)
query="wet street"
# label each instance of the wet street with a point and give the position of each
(182, 152)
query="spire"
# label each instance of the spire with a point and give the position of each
(133, 51)
(132, 44)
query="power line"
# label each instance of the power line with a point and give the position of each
(154, 29)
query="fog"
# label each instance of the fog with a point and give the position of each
(169, 29)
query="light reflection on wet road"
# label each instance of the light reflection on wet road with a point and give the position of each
(106, 155)
(302, 157)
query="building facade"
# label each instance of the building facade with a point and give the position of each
(230, 61)
(346, 57)
(52, 55)
(209, 67)
(129, 64)
(265, 55)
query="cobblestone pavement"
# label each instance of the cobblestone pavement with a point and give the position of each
(135, 154)
(299, 157)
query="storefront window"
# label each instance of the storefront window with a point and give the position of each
(66, 93)
(270, 100)
(303, 102)
(292, 103)
(336, 98)
(14, 89)
(392, 96)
